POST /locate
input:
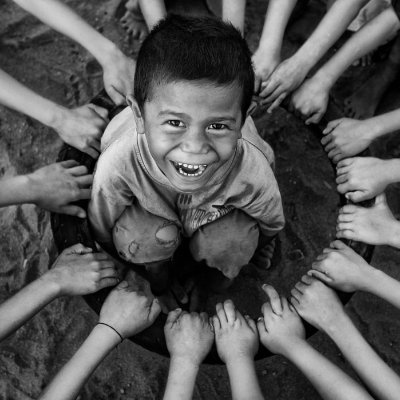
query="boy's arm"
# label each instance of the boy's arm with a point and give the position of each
(268, 54)
(307, 99)
(153, 11)
(233, 11)
(118, 69)
(80, 127)
(292, 72)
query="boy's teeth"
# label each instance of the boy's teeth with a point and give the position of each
(197, 169)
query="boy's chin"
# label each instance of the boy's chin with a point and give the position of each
(183, 184)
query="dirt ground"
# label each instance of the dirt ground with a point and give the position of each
(60, 70)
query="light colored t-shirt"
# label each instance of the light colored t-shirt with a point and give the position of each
(127, 175)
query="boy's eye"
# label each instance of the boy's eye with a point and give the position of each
(175, 123)
(218, 127)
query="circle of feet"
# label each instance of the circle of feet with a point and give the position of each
(310, 205)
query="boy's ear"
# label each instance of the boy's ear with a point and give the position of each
(136, 113)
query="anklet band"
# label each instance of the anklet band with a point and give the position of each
(102, 323)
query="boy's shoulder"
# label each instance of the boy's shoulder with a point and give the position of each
(119, 129)
(117, 148)
(255, 148)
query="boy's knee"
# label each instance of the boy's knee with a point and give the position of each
(226, 244)
(167, 235)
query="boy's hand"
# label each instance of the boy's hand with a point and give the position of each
(129, 310)
(55, 186)
(79, 271)
(118, 76)
(373, 225)
(264, 65)
(280, 328)
(362, 178)
(316, 303)
(310, 100)
(189, 336)
(287, 77)
(82, 127)
(346, 137)
(236, 336)
(342, 268)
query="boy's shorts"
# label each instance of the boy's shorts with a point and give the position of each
(226, 244)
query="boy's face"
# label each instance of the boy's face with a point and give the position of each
(192, 129)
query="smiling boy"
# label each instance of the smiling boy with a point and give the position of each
(183, 160)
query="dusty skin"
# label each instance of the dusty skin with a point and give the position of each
(60, 70)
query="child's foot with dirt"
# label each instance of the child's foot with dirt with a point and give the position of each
(363, 178)
(133, 21)
(375, 225)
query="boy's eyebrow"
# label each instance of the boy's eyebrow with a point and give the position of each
(169, 112)
(182, 115)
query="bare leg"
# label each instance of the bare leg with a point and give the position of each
(153, 11)
(363, 103)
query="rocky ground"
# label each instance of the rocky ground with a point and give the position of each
(61, 70)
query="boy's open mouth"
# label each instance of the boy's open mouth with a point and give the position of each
(189, 169)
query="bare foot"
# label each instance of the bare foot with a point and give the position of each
(236, 336)
(346, 137)
(364, 101)
(133, 21)
(375, 225)
(341, 268)
(362, 178)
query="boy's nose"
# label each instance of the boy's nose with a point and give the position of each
(195, 142)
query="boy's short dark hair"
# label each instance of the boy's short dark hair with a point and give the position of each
(194, 48)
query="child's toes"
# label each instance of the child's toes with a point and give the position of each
(356, 196)
(250, 323)
(345, 217)
(261, 326)
(337, 244)
(348, 209)
(230, 311)
(342, 226)
(221, 314)
(345, 234)
(216, 324)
